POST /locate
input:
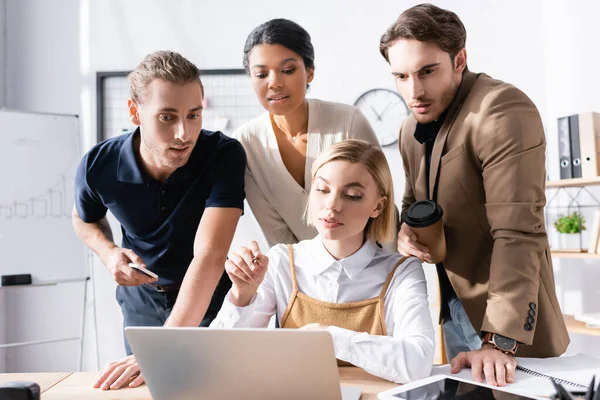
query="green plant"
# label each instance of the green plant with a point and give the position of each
(570, 223)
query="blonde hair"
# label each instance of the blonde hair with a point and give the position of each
(167, 65)
(383, 227)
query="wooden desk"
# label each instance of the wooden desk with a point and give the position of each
(46, 380)
(370, 385)
(78, 385)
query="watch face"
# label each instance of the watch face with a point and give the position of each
(385, 111)
(504, 343)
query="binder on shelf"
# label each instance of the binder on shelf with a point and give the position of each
(589, 140)
(575, 147)
(564, 148)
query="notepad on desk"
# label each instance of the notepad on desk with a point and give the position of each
(577, 369)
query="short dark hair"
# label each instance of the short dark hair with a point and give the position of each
(283, 32)
(427, 23)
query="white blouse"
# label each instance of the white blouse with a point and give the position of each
(403, 356)
(276, 199)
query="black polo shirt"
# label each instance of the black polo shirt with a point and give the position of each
(159, 220)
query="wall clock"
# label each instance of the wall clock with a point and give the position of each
(385, 111)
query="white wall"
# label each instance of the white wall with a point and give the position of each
(571, 34)
(42, 74)
(2, 53)
(2, 104)
(55, 48)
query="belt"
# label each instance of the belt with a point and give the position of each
(173, 287)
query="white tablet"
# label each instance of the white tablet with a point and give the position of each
(444, 387)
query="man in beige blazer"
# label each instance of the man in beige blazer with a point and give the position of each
(476, 146)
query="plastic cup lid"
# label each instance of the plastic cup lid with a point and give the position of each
(423, 213)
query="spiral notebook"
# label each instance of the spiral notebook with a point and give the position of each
(533, 374)
(538, 374)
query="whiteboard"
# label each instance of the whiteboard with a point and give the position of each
(39, 154)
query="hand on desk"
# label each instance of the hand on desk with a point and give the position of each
(409, 245)
(498, 368)
(118, 261)
(120, 373)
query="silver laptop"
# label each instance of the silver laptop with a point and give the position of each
(203, 363)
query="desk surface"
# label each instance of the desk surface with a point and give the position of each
(45, 379)
(67, 386)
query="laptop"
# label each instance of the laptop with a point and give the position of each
(204, 363)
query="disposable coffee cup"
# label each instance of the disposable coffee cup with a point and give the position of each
(425, 220)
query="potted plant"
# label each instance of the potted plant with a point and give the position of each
(570, 228)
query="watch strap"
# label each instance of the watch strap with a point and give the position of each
(488, 338)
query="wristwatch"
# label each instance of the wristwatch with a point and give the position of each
(501, 343)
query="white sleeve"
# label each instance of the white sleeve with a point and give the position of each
(361, 129)
(258, 313)
(408, 354)
(271, 223)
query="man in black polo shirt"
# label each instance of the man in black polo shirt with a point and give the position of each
(177, 191)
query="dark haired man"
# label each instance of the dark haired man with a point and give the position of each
(476, 145)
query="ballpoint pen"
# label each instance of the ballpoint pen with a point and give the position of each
(590, 393)
(563, 394)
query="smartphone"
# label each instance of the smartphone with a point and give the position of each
(143, 270)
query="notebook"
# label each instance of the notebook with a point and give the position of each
(533, 374)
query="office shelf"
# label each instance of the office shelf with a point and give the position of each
(575, 326)
(575, 182)
(574, 254)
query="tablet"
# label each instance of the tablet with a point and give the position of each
(442, 387)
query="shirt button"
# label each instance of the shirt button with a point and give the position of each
(163, 208)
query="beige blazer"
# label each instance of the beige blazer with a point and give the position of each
(488, 175)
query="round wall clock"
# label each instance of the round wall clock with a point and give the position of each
(385, 111)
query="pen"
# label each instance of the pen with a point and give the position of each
(561, 393)
(590, 393)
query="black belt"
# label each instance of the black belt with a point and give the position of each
(172, 287)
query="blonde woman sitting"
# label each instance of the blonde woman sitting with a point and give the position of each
(374, 303)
